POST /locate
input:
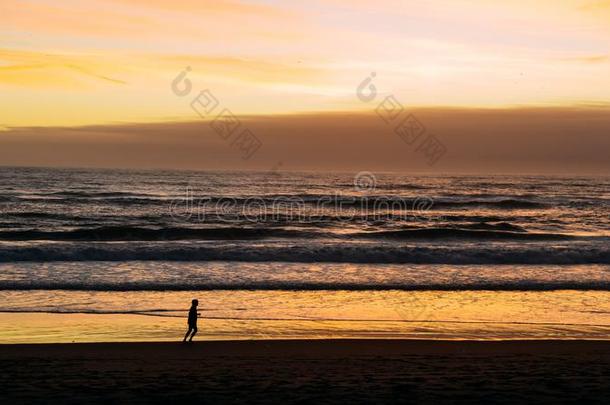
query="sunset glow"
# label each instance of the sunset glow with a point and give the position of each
(100, 62)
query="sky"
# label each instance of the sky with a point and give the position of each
(72, 72)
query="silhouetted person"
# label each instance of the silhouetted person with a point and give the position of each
(192, 321)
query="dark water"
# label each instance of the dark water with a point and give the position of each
(104, 215)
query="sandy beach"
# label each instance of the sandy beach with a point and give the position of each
(307, 370)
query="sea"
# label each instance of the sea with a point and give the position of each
(118, 255)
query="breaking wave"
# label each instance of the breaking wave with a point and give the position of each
(486, 285)
(482, 231)
(304, 252)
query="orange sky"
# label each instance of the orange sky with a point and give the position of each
(106, 62)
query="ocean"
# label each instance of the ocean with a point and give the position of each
(107, 255)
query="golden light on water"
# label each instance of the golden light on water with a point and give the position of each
(478, 315)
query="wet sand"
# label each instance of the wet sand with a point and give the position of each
(353, 371)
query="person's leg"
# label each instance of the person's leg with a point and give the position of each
(193, 334)
(188, 332)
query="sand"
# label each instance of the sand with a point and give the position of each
(347, 371)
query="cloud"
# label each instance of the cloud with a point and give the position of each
(45, 70)
(596, 5)
(249, 69)
(92, 74)
(568, 140)
(209, 6)
(119, 24)
(587, 59)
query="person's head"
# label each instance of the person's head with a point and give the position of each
(195, 303)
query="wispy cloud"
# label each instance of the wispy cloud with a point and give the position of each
(120, 24)
(587, 59)
(38, 69)
(596, 5)
(227, 7)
